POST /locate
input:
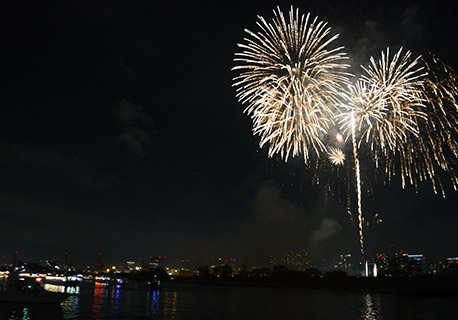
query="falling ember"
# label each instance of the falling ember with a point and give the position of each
(339, 137)
(336, 156)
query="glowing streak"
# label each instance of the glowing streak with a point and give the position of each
(358, 184)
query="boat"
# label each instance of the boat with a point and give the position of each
(109, 280)
(62, 280)
(29, 291)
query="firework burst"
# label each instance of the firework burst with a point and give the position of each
(295, 86)
(435, 148)
(336, 156)
(381, 109)
(385, 102)
(406, 110)
(290, 79)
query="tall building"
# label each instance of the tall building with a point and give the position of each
(346, 262)
(416, 264)
(157, 262)
(399, 264)
(186, 264)
(382, 261)
(99, 264)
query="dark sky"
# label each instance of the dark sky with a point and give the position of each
(121, 134)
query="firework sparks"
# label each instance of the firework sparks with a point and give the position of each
(436, 147)
(385, 102)
(290, 80)
(406, 110)
(336, 156)
(408, 114)
(382, 109)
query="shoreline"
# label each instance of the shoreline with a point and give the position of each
(421, 286)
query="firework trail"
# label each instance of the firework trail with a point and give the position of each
(291, 79)
(381, 109)
(358, 184)
(406, 110)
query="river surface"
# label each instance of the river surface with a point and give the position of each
(192, 301)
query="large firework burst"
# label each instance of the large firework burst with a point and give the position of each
(406, 110)
(290, 79)
(381, 108)
(386, 101)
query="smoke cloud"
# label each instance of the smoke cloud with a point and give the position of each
(137, 125)
(326, 229)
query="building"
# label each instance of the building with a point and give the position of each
(293, 260)
(186, 264)
(383, 265)
(157, 262)
(399, 264)
(346, 262)
(416, 265)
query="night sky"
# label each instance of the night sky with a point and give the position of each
(121, 134)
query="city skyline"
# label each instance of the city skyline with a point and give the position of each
(294, 260)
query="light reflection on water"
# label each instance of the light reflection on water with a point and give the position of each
(153, 296)
(71, 307)
(116, 296)
(170, 305)
(3, 282)
(372, 307)
(188, 301)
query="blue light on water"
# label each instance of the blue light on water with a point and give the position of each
(117, 295)
(25, 314)
(154, 300)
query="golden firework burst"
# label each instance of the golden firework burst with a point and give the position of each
(291, 79)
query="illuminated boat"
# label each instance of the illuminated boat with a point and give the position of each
(62, 280)
(31, 292)
(109, 280)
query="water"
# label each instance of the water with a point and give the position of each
(191, 301)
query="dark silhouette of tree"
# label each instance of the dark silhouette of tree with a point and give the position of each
(279, 272)
(223, 271)
(204, 271)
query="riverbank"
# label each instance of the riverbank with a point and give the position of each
(409, 286)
